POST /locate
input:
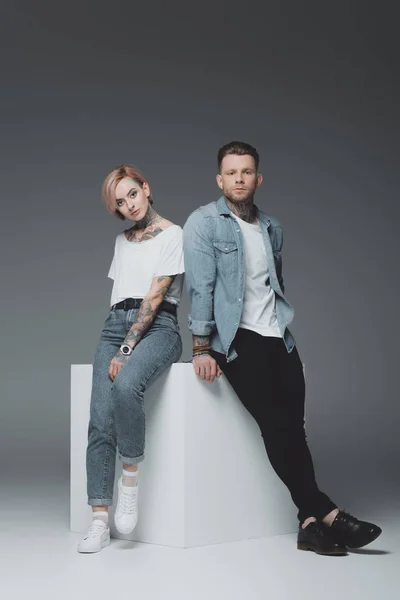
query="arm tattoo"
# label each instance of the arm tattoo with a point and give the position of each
(164, 284)
(144, 318)
(148, 310)
(201, 340)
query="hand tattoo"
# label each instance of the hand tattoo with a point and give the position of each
(121, 358)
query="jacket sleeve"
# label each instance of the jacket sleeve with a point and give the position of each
(200, 273)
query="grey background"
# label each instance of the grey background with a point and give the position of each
(314, 86)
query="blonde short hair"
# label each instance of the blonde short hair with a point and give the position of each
(111, 182)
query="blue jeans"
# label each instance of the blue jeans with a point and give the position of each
(117, 418)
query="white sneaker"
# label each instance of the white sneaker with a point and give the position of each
(97, 537)
(126, 513)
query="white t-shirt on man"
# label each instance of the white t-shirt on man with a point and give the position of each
(258, 313)
(135, 264)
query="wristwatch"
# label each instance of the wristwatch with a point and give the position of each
(125, 349)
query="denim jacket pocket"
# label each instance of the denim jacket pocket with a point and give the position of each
(225, 247)
(227, 257)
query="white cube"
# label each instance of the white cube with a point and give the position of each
(206, 478)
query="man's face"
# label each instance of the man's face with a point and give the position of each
(238, 178)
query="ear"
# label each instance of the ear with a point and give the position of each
(146, 188)
(259, 180)
(219, 181)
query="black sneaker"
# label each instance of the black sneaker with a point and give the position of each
(315, 537)
(349, 531)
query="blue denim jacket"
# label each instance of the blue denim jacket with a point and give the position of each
(215, 274)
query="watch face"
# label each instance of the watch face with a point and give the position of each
(125, 350)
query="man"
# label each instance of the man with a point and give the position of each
(239, 320)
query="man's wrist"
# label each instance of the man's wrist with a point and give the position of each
(204, 353)
(201, 348)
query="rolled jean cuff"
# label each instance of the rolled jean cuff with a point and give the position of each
(127, 460)
(100, 502)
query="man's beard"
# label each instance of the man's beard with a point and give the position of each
(243, 208)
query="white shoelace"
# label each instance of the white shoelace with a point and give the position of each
(95, 530)
(128, 502)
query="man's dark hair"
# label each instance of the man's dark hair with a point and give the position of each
(240, 148)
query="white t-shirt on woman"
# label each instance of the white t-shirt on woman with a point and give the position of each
(135, 264)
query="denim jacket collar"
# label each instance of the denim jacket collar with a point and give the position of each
(224, 210)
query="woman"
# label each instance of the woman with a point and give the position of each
(140, 339)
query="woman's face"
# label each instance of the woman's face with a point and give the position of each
(132, 199)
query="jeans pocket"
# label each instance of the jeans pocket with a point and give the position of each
(165, 319)
(110, 320)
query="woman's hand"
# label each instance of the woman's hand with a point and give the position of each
(206, 367)
(116, 364)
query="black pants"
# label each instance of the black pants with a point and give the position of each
(270, 383)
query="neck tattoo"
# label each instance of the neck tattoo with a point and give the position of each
(150, 219)
(149, 227)
(244, 210)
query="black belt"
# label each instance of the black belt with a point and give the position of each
(129, 303)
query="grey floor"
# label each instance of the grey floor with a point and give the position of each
(39, 559)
